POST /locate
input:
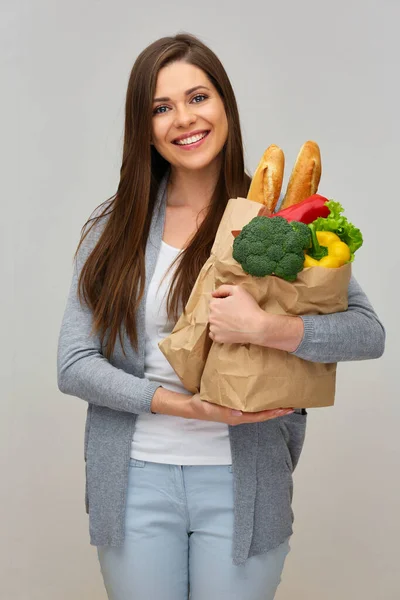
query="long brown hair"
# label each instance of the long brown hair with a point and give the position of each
(112, 279)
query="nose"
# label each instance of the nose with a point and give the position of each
(184, 116)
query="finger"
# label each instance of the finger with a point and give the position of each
(213, 305)
(268, 412)
(281, 412)
(278, 413)
(213, 332)
(223, 291)
(265, 415)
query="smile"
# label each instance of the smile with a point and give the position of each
(193, 141)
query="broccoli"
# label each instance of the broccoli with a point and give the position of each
(272, 245)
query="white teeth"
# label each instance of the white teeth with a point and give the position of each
(192, 140)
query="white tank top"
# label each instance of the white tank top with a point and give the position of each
(163, 438)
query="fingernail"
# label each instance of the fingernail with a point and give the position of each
(237, 413)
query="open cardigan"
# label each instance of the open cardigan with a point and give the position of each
(264, 455)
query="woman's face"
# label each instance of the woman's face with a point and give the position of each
(179, 116)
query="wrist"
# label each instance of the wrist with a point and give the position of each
(282, 332)
(263, 330)
(166, 402)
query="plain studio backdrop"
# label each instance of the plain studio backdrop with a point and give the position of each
(326, 71)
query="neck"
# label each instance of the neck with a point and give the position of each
(192, 188)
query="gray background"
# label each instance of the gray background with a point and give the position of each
(326, 71)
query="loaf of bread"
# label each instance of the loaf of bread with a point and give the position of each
(305, 176)
(267, 181)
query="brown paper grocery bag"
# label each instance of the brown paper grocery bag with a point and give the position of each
(246, 376)
(252, 378)
(187, 347)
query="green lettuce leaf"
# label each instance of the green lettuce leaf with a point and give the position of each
(339, 224)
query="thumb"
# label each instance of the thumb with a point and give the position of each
(223, 291)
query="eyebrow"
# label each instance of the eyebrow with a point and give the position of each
(186, 93)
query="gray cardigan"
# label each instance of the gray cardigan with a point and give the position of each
(264, 455)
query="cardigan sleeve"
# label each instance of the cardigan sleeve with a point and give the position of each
(355, 334)
(82, 370)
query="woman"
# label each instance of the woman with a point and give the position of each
(181, 493)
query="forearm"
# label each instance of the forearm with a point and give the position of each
(356, 334)
(341, 337)
(84, 372)
(91, 377)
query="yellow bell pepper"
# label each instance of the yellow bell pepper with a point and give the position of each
(338, 253)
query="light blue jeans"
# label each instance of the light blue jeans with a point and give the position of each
(178, 535)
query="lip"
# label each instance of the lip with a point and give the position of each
(188, 135)
(195, 145)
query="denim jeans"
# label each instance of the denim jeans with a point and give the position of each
(178, 538)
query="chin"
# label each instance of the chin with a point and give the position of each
(196, 166)
(198, 162)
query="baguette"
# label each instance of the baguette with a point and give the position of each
(267, 181)
(305, 176)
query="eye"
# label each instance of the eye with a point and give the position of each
(158, 111)
(155, 111)
(199, 96)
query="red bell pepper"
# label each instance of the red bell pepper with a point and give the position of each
(305, 211)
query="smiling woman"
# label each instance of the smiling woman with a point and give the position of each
(177, 495)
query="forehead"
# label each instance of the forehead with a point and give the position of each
(174, 79)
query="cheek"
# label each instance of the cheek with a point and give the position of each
(223, 119)
(159, 130)
(214, 115)
(220, 122)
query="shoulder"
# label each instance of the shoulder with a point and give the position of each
(93, 229)
(98, 218)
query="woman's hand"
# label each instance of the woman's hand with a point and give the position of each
(176, 404)
(235, 317)
(206, 411)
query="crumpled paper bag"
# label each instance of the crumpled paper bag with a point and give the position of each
(246, 376)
